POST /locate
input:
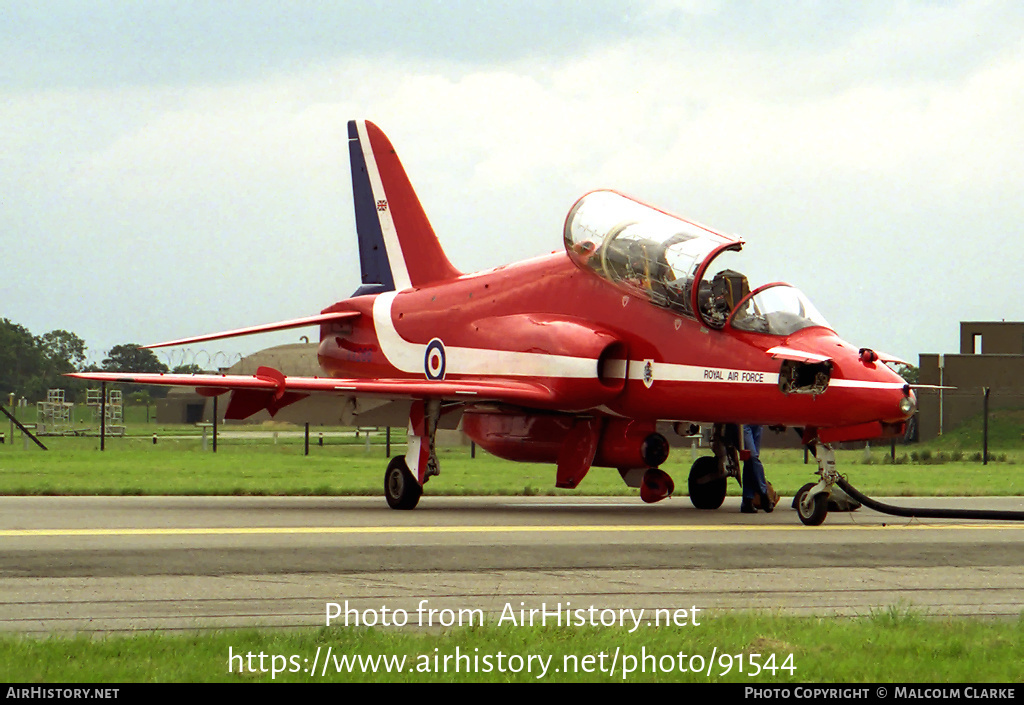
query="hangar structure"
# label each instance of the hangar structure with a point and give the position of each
(183, 405)
(991, 356)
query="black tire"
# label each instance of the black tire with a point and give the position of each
(838, 501)
(400, 488)
(706, 490)
(799, 492)
(816, 513)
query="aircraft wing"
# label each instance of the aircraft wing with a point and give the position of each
(271, 390)
(265, 328)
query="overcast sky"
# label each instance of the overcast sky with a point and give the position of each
(172, 168)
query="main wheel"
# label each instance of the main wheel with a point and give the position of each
(815, 513)
(707, 491)
(400, 487)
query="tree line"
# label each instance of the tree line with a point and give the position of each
(32, 364)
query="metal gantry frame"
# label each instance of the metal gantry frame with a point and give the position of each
(107, 409)
(55, 416)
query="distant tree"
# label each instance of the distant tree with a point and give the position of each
(130, 357)
(21, 362)
(141, 398)
(909, 373)
(30, 365)
(63, 351)
(192, 369)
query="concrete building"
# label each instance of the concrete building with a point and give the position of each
(991, 355)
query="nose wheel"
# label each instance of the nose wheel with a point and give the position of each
(811, 502)
(812, 509)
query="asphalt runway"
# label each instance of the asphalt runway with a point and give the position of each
(100, 564)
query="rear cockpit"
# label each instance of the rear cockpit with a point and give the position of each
(664, 259)
(647, 252)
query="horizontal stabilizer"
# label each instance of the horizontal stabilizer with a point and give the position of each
(781, 352)
(266, 328)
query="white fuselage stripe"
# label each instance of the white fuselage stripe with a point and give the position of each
(411, 359)
(862, 384)
(399, 272)
(672, 372)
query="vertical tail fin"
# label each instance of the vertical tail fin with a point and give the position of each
(397, 247)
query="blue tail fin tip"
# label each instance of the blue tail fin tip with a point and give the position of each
(373, 257)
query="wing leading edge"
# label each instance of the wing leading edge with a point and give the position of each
(269, 389)
(265, 328)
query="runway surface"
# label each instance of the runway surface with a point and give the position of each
(97, 564)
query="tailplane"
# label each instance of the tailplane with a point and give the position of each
(397, 247)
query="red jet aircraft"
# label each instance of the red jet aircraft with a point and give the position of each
(570, 358)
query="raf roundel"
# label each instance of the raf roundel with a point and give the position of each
(434, 360)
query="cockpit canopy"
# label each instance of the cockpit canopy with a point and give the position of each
(659, 257)
(776, 309)
(643, 250)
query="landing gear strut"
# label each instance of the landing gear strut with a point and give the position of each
(709, 475)
(405, 476)
(812, 502)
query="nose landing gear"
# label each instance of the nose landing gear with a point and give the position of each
(811, 502)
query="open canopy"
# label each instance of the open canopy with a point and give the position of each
(664, 259)
(645, 251)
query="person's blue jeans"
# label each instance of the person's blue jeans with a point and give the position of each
(753, 471)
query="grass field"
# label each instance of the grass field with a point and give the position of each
(259, 466)
(901, 647)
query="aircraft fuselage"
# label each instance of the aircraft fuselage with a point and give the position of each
(617, 353)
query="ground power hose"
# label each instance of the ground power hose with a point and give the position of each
(929, 513)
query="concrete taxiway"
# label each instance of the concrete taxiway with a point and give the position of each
(97, 564)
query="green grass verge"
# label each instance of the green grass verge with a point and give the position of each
(344, 467)
(893, 645)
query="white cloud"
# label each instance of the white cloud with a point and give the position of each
(844, 168)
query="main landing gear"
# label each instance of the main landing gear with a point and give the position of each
(405, 476)
(400, 488)
(707, 483)
(710, 474)
(709, 477)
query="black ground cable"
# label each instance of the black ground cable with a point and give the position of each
(930, 513)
